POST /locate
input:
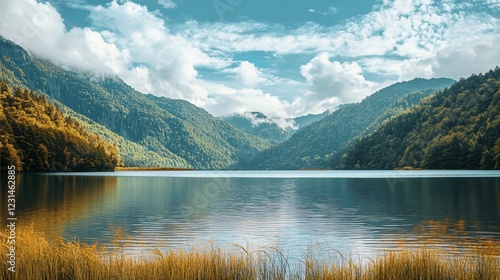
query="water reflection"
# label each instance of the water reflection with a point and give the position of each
(51, 202)
(345, 214)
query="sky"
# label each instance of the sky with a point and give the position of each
(284, 58)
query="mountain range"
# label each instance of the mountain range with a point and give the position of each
(149, 130)
(457, 128)
(320, 143)
(422, 123)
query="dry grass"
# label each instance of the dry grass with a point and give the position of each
(38, 257)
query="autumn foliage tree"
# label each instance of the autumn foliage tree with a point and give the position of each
(35, 136)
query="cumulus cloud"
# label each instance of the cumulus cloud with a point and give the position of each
(171, 60)
(226, 100)
(39, 28)
(405, 33)
(124, 39)
(476, 53)
(332, 83)
(398, 40)
(248, 74)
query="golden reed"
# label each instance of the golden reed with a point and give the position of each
(40, 257)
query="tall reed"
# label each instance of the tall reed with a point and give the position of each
(40, 257)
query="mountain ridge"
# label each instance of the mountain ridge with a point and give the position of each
(457, 128)
(317, 144)
(132, 115)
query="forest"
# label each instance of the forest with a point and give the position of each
(149, 130)
(457, 128)
(320, 143)
(35, 136)
(422, 123)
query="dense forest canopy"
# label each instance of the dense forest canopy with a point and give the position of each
(324, 141)
(35, 136)
(458, 128)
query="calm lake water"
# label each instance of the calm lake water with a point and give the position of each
(359, 212)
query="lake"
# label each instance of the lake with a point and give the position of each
(351, 212)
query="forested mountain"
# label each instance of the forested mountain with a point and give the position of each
(259, 125)
(131, 153)
(458, 128)
(35, 136)
(308, 119)
(324, 141)
(181, 134)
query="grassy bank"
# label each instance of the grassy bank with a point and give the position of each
(37, 257)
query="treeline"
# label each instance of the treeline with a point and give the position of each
(37, 137)
(320, 143)
(459, 128)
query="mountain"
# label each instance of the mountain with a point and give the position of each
(458, 128)
(178, 133)
(37, 137)
(260, 125)
(324, 141)
(306, 120)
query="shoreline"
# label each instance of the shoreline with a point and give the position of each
(138, 168)
(40, 257)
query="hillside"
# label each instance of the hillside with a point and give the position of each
(259, 125)
(37, 137)
(324, 141)
(459, 128)
(308, 119)
(180, 134)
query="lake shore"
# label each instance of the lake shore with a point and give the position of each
(40, 257)
(136, 168)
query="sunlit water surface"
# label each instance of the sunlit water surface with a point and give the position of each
(326, 212)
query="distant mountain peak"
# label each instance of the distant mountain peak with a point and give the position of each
(325, 139)
(257, 118)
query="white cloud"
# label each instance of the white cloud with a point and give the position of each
(167, 4)
(255, 120)
(171, 60)
(333, 83)
(410, 31)
(248, 74)
(474, 54)
(493, 4)
(398, 40)
(39, 28)
(226, 100)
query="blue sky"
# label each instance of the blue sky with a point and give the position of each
(283, 58)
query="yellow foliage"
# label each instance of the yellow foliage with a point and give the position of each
(38, 257)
